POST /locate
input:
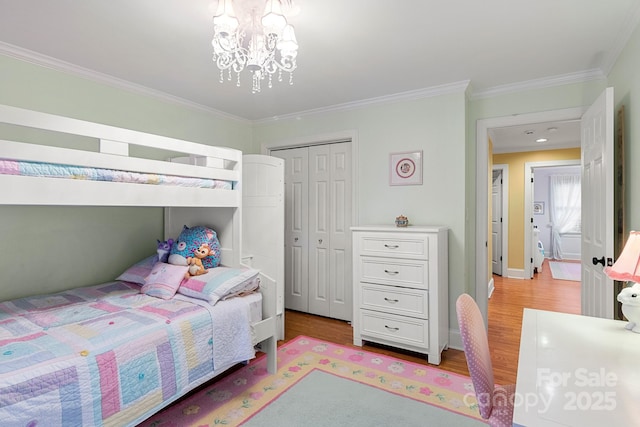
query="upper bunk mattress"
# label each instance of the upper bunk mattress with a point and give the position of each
(53, 170)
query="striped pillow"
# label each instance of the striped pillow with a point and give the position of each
(220, 283)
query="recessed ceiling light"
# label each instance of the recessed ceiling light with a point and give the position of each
(552, 129)
(541, 140)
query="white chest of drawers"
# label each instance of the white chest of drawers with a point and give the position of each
(400, 288)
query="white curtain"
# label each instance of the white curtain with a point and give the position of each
(565, 211)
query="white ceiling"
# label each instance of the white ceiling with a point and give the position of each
(560, 134)
(351, 52)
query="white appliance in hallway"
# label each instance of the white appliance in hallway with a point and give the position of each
(537, 251)
(496, 223)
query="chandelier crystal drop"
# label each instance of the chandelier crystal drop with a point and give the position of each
(258, 39)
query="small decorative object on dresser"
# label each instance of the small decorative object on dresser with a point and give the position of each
(401, 288)
(402, 221)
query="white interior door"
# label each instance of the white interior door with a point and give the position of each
(597, 206)
(496, 223)
(296, 245)
(340, 283)
(319, 229)
(528, 262)
(330, 290)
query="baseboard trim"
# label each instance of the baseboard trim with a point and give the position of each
(455, 340)
(491, 287)
(515, 273)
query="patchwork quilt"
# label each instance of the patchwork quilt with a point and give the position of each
(100, 355)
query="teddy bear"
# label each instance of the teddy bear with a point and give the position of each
(195, 262)
(630, 299)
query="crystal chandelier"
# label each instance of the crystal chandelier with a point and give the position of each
(271, 46)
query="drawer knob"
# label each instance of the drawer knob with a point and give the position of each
(391, 272)
(391, 246)
(392, 329)
(393, 301)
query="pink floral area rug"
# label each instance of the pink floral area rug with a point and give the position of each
(241, 396)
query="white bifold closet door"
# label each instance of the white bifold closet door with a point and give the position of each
(317, 235)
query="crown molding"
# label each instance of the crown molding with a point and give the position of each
(559, 80)
(39, 59)
(457, 87)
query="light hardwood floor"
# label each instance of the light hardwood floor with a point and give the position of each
(505, 321)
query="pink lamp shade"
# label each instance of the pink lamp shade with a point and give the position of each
(627, 266)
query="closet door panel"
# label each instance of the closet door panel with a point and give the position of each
(341, 304)
(296, 225)
(319, 227)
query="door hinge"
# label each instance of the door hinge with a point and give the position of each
(531, 260)
(500, 219)
(532, 180)
(531, 220)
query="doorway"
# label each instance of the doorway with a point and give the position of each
(538, 203)
(483, 127)
(597, 221)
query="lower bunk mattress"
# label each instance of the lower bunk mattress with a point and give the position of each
(110, 355)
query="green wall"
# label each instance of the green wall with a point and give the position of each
(54, 248)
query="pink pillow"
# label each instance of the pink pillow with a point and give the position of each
(164, 280)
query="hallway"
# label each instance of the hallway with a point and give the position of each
(506, 304)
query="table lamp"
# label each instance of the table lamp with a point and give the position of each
(627, 269)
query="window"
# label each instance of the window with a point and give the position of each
(565, 209)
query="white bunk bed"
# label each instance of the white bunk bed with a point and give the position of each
(109, 147)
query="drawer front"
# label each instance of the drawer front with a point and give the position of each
(388, 299)
(394, 245)
(412, 274)
(414, 332)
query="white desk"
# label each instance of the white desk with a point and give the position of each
(577, 371)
